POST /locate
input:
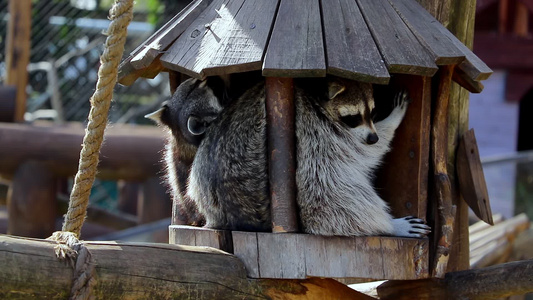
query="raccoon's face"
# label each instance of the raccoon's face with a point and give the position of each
(192, 108)
(352, 104)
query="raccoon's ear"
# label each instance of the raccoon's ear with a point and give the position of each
(158, 116)
(334, 88)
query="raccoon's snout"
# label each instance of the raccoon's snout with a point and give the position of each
(372, 138)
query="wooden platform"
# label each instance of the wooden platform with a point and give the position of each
(298, 256)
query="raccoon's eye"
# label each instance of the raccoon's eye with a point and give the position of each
(352, 120)
(196, 126)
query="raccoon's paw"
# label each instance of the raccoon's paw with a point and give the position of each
(401, 102)
(410, 227)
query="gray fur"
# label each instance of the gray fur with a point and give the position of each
(203, 101)
(336, 165)
(229, 176)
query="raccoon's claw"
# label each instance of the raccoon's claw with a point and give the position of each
(410, 227)
(402, 99)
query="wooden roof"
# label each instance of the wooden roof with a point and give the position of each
(364, 40)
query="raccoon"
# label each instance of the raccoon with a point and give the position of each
(338, 149)
(229, 175)
(187, 115)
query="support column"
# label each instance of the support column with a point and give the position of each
(281, 153)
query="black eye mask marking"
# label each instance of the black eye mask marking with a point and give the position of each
(352, 120)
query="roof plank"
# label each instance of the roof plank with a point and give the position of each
(226, 38)
(399, 47)
(296, 46)
(145, 54)
(473, 67)
(345, 29)
(429, 31)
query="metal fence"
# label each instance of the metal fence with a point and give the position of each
(66, 42)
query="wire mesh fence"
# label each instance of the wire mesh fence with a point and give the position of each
(66, 42)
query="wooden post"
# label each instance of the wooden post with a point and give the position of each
(281, 149)
(18, 51)
(31, 201)
(459, 17)
(521, 20)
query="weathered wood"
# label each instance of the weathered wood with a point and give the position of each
(154, 203)
(127, 74)
(351, 50)
(441, 181)
(280, 116)
(403, 179)
(296, 47)
(493, 282)
(298, 256)
(129, 152)
(146, 53)
(466, 82)
(429, 31)
(31, 201)
(471, 178)
(8, 103)
(399, 47)
(225, 38)
(199, 236)
(18, 52)
(148, 271)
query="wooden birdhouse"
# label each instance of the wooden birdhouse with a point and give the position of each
(389, 43)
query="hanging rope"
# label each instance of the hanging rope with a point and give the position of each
(69, 247)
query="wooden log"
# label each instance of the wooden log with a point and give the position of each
(148, 271)
(18, 51)
(225, 38)
(303, 32)
(493, 282)
(471, 178)
(32, 205)
(399, 47)
(129, 152)
(281, 153)
(441, 181)
(403, 179)
(8, 103)
(345, 28)
(482, 225)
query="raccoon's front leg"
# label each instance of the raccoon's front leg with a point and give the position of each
(410, 227)
(386, 127)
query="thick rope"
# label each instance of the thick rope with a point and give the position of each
(69, 247)
(120, 15)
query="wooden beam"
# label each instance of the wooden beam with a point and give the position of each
(503, 16)
(148, 271)
(31, 201)
(129, 152)
(521, 20)
(18, 51)
(280, 114)
(495, 282)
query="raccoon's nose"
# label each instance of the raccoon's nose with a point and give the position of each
(372, 138)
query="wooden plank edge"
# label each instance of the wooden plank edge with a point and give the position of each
(294, 73)
(370, 78)
(412, 69)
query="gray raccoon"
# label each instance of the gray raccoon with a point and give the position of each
(229, 176)
(338, 149)
(187, 114)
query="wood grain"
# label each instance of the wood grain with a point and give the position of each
(296, 47)
(399, 47)
(351, 50)
(226, 38)
(471, 178)
(199, 236)
(429, 31)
